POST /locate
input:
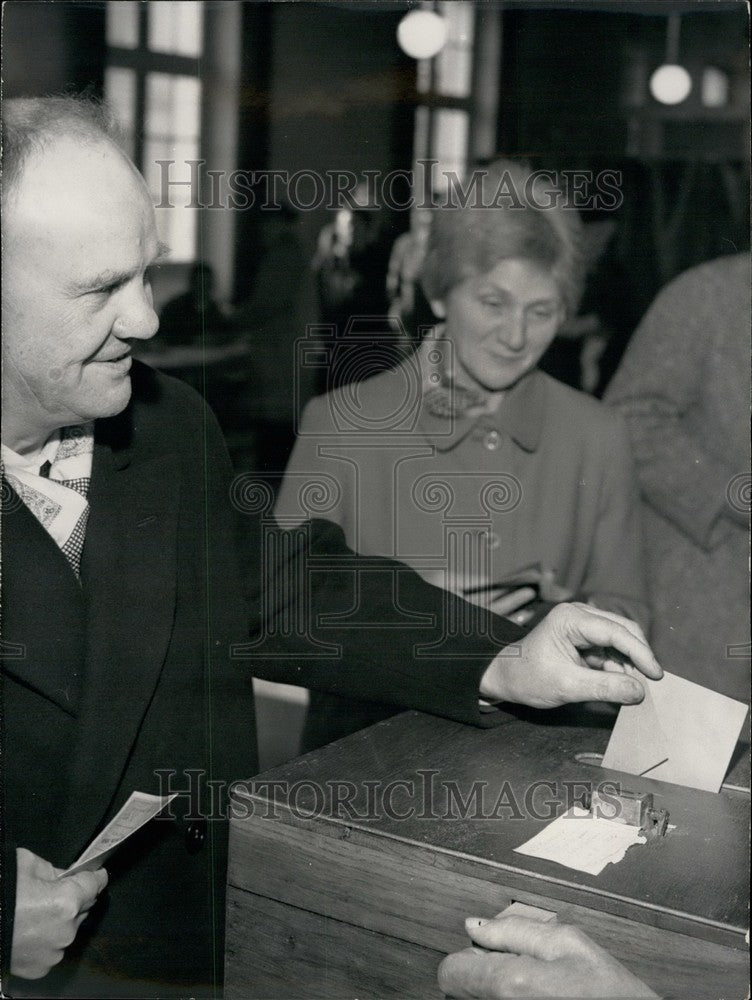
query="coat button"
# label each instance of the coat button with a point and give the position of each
(195, 835)
(492, 441)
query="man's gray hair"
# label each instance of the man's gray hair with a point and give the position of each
(30, 124)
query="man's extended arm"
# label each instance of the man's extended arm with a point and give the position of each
(367, 628)
(373, 629)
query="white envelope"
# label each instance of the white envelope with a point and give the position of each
(682, 733)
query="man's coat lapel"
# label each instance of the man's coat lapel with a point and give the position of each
(129, 571)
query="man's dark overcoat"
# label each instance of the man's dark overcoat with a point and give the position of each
(124, 681)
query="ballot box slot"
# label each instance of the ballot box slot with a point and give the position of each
(592, 759)
(386, 894)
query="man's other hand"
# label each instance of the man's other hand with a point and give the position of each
(517, 957)
(48, 913)
(577, 653)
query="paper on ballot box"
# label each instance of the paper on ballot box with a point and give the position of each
(581, 841)
(682, 733)
(137, 811)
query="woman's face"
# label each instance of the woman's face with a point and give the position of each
(501, 322)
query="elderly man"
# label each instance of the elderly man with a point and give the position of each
(122, 597)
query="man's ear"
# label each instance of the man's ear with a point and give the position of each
(438, 307)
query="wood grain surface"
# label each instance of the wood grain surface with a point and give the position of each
(284, 953)
(314, 838)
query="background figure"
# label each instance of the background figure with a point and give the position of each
(588, 347)
(612, 295)
(683, 386)
(195, 344)
(335, 277)
(194, 318)
(484, 474)
(351, 268)
(272, 321)
(407, 300)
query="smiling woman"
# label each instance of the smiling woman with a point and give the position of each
(500, 323)
(484, 474)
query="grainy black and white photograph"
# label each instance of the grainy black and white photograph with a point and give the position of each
(375, 499)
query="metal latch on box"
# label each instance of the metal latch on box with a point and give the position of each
(632, 809)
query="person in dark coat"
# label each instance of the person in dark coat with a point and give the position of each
(130, 632)
(194, 317)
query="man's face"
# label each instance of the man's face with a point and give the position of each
(79, 240)
(501, 322)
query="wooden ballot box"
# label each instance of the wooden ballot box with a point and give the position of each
(352, 869)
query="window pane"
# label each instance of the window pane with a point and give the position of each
(173, 106)
(177, 28)
(122, 17)
(450, 131)
(177, 228)
(172, 132)
(454, 67)
(454, 64)
(459, 16)
(176, 224)
(120, 94)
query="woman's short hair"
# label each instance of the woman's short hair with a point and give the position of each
(505, 211)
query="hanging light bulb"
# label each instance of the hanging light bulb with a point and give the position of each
(422, 34)
(671, 83)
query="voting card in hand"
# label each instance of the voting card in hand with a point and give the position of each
(137, 811)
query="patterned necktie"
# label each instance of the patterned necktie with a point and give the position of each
(58, 494)
(74, 546)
